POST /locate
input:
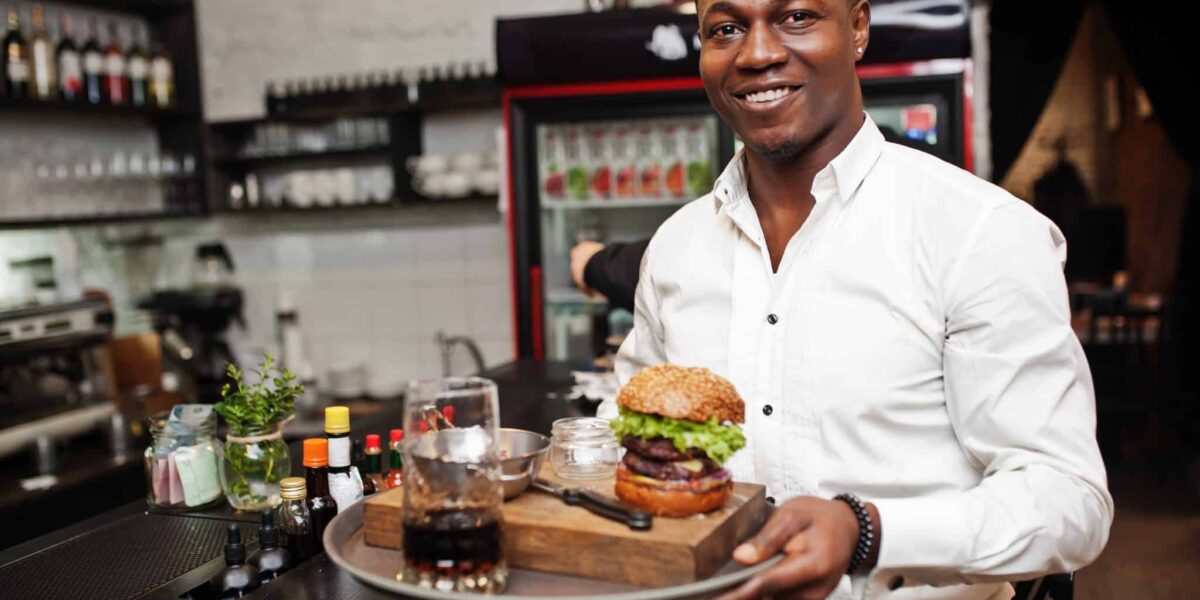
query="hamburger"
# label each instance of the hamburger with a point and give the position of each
(679, 425)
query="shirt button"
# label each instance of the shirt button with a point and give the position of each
(895, 583)
(772, 319)
(767, 410)
(771, 500)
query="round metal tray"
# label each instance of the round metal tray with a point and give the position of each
(377, 567)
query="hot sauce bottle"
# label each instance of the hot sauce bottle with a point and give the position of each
(395, 474)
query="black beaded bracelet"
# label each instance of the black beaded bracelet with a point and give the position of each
(866, 531)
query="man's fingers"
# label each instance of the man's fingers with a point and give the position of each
(770, 539)
(790, 573)
(797, 545)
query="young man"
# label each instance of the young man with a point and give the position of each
(898, 328)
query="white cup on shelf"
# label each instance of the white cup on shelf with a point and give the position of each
(486, 182)
(456, 184)
(300, 188)
(427, 164)
(324, 187)
(467, 162)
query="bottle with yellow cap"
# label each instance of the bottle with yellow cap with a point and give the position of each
(345, 482)
(321, 505)
(294, 518)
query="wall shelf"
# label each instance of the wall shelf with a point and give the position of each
(178, 130)
(83, 109)
(137, 7)
(394, 204)
(388, 99)
(63, 221)
(251, 162)
(611, 204)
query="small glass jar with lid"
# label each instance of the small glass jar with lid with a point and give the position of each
(181, 461)
(584, 448)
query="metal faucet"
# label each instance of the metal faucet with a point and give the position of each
(447, 344)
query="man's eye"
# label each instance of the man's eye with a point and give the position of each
(799, 18)
(723, 31)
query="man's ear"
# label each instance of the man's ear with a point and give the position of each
(860, 27)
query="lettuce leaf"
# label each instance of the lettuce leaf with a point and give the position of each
(718, 441)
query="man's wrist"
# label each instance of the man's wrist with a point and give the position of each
(864, 554)
(873, 555)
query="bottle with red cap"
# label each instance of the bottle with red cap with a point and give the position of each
(395, 474)
(321, 505)
(373, 466)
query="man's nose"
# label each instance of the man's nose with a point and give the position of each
(762, 49)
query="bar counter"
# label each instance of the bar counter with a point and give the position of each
(130, 552)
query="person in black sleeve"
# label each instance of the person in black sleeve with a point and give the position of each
(610, 270)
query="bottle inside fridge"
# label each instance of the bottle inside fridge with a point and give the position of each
(609, 181)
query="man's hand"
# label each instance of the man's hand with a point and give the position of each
(818, 537)
(580, 255)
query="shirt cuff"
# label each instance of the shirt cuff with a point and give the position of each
(922, 533)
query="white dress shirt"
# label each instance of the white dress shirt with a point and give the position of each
(914, 348)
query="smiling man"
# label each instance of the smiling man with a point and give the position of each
(918, 406)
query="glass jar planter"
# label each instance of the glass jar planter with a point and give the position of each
(252, 464)
(584, 448)
(181, 464)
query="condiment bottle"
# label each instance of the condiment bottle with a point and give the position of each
(295, 519)
(345, 483)
(238, 578)
(270, 559)
(321, 505)
(395, 474)
(373, 466)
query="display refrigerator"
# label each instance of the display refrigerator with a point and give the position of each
(609, 131)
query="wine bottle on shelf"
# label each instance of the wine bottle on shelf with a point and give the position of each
(139, 73)
(162, 78)
(41, 57)
(70, 64)
(93, 65)
(16, 57)
(116, 80)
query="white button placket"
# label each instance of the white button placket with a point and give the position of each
(750, 290)
(795, 296)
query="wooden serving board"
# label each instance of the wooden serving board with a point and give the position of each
(541, 532)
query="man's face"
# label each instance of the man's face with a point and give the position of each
(781, 72)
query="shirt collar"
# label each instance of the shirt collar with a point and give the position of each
(848, 168)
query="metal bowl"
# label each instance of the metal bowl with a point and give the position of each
(523, 452)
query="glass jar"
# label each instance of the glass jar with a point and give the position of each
(584, 448)
(252, 464)
(181, 463)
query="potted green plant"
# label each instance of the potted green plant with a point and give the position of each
(254, 456)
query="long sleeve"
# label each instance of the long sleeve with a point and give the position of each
(1020, 398)
(614, 271)
(643, 346)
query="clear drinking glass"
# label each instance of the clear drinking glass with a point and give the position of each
(452, 487)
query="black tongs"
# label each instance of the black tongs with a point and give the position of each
(599, 504)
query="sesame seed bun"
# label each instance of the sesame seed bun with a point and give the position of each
(691, 393)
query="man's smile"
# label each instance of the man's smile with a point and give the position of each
(766, 98)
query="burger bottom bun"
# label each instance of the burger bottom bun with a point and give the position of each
(665, 502)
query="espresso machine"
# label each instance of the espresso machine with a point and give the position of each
(53, 385)
(192, 321)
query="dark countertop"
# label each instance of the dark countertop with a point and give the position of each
(106, 550)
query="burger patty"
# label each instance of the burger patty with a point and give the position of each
(666, 470)
(659, 449)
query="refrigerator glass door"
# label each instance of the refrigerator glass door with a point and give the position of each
(613, 180)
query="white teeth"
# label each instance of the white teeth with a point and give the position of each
(768, 95)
